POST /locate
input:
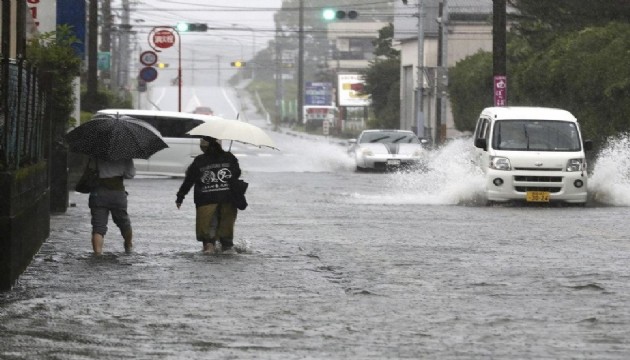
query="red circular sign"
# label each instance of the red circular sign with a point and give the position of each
(164, 39)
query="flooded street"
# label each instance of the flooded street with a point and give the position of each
(335, 264)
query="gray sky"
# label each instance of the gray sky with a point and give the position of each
(237, 28)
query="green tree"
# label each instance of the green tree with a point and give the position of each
(587, 73)
(470, 88)
(540, 22)
(382, 81)
(55, 58)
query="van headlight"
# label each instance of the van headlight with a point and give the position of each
(367, 152)
(576, 165)
(500, 163)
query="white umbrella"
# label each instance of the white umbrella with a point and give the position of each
(233, 130)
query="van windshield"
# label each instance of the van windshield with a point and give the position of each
(535, 135)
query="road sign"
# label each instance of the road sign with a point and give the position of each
(500, 90)
(148, 58)
(148, 74)
(164, 39)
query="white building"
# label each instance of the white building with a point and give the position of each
(469, 30)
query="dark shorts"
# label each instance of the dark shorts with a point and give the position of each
(103, 202)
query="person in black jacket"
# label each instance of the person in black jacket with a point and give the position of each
(211, 173)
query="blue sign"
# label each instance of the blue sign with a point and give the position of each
(148, 74)
(318, 93)
(72, 13)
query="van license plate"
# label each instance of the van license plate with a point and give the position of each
(393, 162)
(538, 196)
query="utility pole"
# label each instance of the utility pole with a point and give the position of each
(499, 68)
(124, 44)
(300, 94)
(92, 80)
(279, 73)
(106, 37)
(442, 72)
(420, 72)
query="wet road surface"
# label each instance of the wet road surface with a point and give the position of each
(332, 264)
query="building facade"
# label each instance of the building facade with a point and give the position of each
(469, 30)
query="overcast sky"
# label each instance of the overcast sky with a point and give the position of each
(236, 26)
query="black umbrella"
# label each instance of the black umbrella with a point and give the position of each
(109, 137)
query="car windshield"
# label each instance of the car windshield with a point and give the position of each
(535, 135)
(389, 137)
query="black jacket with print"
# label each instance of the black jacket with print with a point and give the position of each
(211, 173)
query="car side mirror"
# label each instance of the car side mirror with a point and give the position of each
(588, 145)
(481, 143)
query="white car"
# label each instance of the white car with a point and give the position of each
(182, 148)
(387, 150)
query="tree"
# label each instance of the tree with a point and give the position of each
(542, 21)
(470, 88)
(52, 54)
(585, 72)
(382, 81)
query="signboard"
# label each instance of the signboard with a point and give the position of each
(47, 14)
(318, 93)
(500, 90)
(104, 60)
(148, 74)
(44, 14)
(164, 39)
(326, 127)
(350, 87)
(148, 58)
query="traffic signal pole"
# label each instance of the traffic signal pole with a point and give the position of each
(179, 57)
(179, 71)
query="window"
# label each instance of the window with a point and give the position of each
(170, 127)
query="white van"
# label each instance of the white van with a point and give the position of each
(174, 160)
(531, 154)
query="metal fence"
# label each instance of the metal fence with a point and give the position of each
(22, 109)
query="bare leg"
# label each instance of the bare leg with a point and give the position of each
(97, 243)
(209, 248)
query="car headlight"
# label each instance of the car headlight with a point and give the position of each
(367, 152)
(418, 153)
(500, 163)
(576, 165)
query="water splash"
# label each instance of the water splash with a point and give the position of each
(610, 182)
(450, 179)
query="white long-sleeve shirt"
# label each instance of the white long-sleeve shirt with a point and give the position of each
(109, 169)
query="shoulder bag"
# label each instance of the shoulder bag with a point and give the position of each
(89, 180)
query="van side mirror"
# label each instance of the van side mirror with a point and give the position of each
(481, 143)
(588, 145)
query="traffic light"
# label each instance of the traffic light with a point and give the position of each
(238, 63)
(191, 27)
(162, 65)
(334, 14)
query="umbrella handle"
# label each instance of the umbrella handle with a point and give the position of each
(230, 148)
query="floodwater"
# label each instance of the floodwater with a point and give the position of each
(335, 264)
